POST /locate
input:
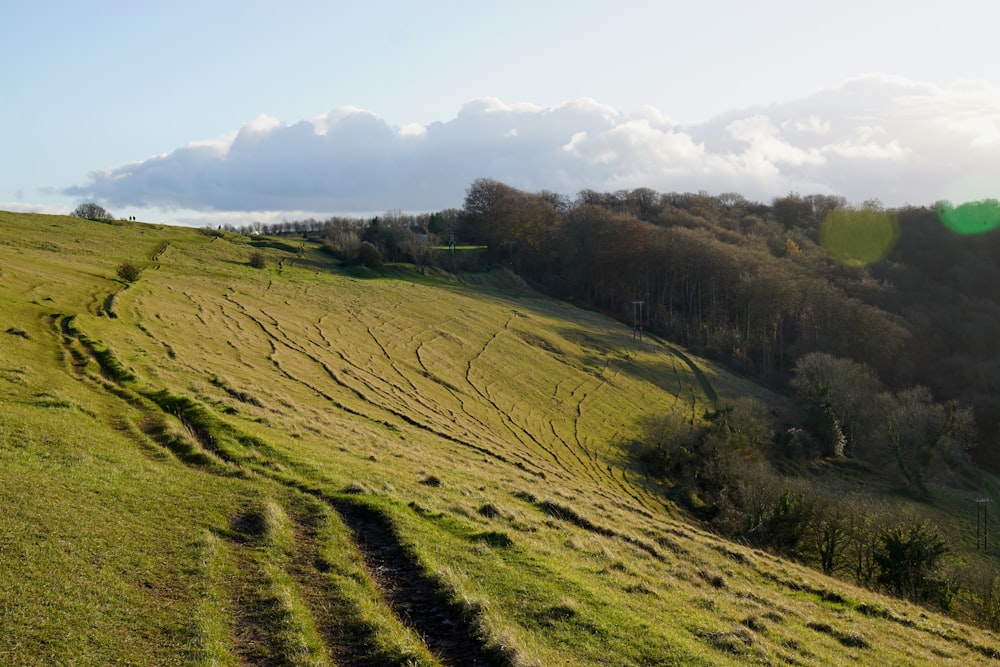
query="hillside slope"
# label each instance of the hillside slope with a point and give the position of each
(299, 465)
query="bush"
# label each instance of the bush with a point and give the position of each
(369, 255)
(344, 246)
(129, 272)
(907, 562)
(257, 260)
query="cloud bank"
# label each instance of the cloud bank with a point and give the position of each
(873, 136)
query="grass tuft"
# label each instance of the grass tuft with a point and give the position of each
(848, 639)
(494, 539)
(489, 511)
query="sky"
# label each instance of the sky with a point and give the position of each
(205, 113)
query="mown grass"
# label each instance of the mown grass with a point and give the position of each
(173, 474)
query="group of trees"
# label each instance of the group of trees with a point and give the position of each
(848, 412)
(883, 335)
(392, 237)
(720, 274)
(880, 322)
(722, 471)
(753, 285)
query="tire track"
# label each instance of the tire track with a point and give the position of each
(429, 410)
(405, 416)
(525, 464)
(361, 373)
(622, 483)
(505, 419)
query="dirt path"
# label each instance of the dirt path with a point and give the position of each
(418, 602)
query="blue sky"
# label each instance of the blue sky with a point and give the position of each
(208, 112)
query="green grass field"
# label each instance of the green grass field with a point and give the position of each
(304, 465)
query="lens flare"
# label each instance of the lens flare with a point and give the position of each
(859, 236)
(975, 217)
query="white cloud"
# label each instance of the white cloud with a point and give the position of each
(766, 142)
(20, 206)
(262, 124)
(412, 130)
(813, 124)
(872, 136)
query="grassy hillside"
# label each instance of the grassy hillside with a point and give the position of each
(219, 464)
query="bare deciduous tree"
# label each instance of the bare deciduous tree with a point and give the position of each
(91, 211)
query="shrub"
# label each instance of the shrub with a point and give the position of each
(257, 260)
(489, 511)
(369, 255)
(908, 559)
(129, 272)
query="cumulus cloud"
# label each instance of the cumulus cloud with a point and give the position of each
(871, 136)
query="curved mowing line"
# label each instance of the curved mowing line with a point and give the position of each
(200, 309)
(388, 398)
(638, 493)
(483, 426)
(374, 395)
(158, 251)
(604, 474)
(584, 395)
(455, 393)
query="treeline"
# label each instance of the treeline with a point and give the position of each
(753, 285)
(391, 237)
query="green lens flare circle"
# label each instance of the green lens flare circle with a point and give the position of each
(856, 237)
(975, 217)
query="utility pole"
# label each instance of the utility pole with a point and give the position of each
(637, 319)
(982, 510)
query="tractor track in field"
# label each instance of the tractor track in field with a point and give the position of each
(384, 401)
(586, 460)
(515, 429)
(251, 638)
(524, 462)
(526, 465)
